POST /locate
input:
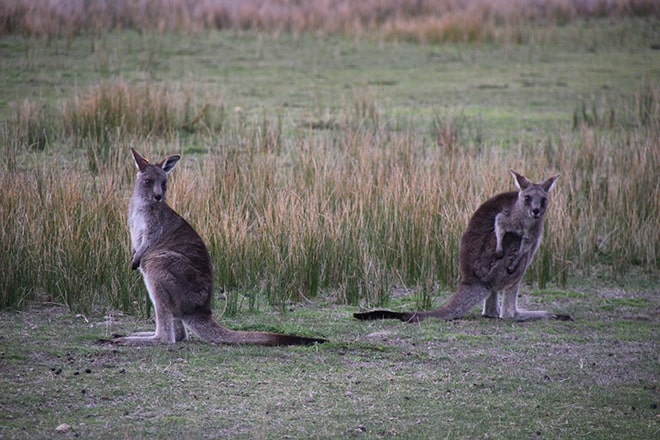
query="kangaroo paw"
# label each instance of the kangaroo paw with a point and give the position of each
(512, 267)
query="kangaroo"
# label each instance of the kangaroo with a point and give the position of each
(496, 248)
(522, 217)
(176, 267)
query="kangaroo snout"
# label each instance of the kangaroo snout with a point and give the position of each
(159, 193)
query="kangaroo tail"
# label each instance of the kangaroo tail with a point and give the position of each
(210, 331)
(383, 314)
(465, 297)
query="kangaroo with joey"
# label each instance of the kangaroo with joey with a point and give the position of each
(495, 251)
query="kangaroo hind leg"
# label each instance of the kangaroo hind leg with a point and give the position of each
(169, 329)
(491, 306)
(511, 311)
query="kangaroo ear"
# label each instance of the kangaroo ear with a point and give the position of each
(140, 161)
(548, 183)
(521, 181)
(168, 164)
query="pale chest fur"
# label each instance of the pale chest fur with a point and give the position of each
(140, 221)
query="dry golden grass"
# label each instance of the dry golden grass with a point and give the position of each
(355, 210)
(422, 20)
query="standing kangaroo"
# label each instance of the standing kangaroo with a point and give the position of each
(496, 249)
(177, 270)
(522, 217)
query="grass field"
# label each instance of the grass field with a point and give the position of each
(330, 171)
(595, 377)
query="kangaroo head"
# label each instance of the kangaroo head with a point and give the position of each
(533, 196)
(152, 178)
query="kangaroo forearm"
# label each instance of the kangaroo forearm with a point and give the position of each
(137, 256)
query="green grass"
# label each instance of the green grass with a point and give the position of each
(593, 377)
(532, 83)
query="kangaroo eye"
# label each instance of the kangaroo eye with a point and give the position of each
(147, 182)
(527, 199)
(164, 186)
(543, 202)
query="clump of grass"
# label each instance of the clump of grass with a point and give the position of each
(640, 110)
(453, 131)
(103, 116)
(648, 106)
(462, 26)
(63, 237)
(110, 111)
(32, 125)
(16, 250)
(113, 109)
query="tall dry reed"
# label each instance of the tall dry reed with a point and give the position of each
(63, 239)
